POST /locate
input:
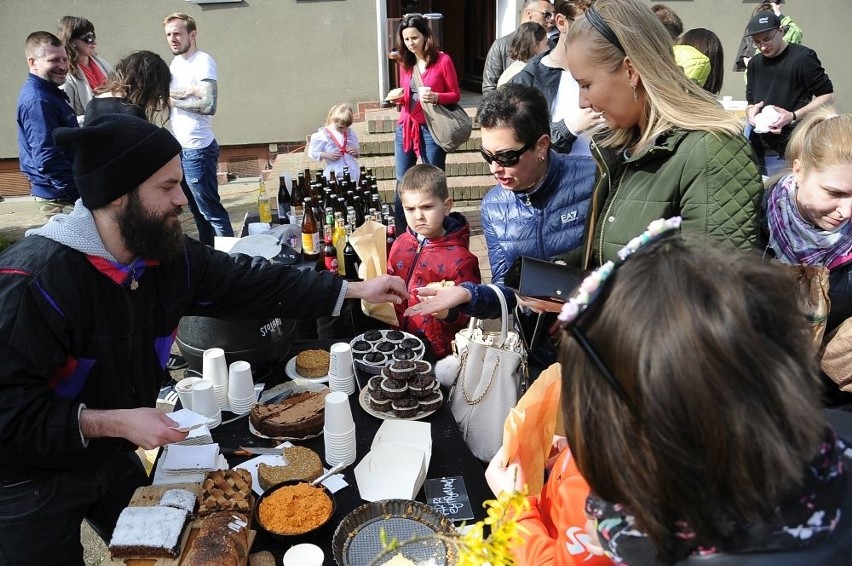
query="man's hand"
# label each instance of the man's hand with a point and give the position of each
(433, 300)
(381, 289)
(145, 426)
(753, 111)
(784, 117)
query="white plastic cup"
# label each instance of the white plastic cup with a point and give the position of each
(204, 400)
(338, 414)
(424, 90)
(184, 391)
(304, 555)
(240, 381)
(214, 367)
(343, 450)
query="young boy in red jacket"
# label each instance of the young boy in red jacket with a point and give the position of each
(433, 249)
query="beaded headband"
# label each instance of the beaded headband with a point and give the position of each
(592, 287)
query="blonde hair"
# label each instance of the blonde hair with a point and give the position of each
(822, 139)
(671, 99)
(340, 115)
(185, 18)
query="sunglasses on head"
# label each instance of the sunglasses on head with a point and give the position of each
(505, 158)
(89, 38)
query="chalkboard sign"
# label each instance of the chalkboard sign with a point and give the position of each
(449, 496)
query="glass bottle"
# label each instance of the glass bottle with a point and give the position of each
(329, 254)
(310, 233)
(297, 197)
(264, 211)
(391, 235)
(350, 258)
(338, 238)
(283, 200)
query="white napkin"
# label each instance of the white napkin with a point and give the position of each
(180, 458)
(187, 420)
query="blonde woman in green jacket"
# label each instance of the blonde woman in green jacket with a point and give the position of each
(670, 149)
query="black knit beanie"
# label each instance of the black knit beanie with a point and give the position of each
(114, 154)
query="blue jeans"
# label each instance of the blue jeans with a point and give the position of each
(430, 152)
(199, 171)
(40, 517)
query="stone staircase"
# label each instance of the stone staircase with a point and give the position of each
(468, 177)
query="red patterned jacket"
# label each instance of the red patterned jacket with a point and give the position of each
(420, 262)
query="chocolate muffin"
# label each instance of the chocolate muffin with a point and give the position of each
(385, 347)
(375, 358)
(394, 389)
(412, 343)
(422, 367)
(395, 336)
(373, 335)
(378, 393)
(360, 348)
(402, 369)
(402, 353)
(386, 372)
(374, 383)
(432, 402)
(421, 386)
(382, 405)
(405, 408)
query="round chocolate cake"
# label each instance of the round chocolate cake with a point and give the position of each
(298, 416)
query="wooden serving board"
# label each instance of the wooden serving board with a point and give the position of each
(149, 496)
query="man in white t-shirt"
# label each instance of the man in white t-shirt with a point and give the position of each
(193, 103)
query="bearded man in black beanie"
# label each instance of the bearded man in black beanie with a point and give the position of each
(91, 303)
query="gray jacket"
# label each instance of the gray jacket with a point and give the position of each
(496, 62)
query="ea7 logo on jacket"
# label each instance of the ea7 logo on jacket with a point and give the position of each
(568, 217)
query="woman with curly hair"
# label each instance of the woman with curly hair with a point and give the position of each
(139, 85)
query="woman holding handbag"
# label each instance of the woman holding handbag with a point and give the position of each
(421, 63)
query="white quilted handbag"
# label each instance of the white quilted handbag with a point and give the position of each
(492, 376)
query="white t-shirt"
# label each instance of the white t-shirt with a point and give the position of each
(192, 130)
(566, 103)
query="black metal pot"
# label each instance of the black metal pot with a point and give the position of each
(261, 342)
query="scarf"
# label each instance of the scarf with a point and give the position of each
(794, 240)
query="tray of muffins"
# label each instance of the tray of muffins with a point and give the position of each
(187, 524)
(375, 349)
(405, 390)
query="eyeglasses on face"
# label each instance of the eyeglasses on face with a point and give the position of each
(766, 41)
(547, 15)
(89, 38)
(506, 158)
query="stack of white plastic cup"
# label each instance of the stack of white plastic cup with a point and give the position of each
(184, 391)
(241, 395)
(204, 402)
(341, 371)
(339, 430)
(214, 368)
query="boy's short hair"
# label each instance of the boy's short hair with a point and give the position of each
(37, 41)
(340, 115)
(426, 178)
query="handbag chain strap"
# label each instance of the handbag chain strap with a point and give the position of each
(467, 398)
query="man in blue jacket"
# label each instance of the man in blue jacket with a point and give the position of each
(43, 107)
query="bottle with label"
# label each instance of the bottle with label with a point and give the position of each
(329, 254)
(283, 200)
(350, 258)
(264, 211)
(338, 238)
(297, 197)
(391, 234)
(310, 233)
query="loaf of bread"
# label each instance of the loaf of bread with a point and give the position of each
(222, 540)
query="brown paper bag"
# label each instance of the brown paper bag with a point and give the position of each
(370, 243)
(813, 296)
(533, 419)
(836, 361)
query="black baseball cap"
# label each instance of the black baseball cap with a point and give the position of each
(764, 21)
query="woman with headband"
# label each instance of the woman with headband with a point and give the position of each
(696, 418)
(670, 149)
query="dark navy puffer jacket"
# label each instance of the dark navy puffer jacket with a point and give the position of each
(545, 224)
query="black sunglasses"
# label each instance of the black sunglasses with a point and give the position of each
(506, 158)
(89, 38)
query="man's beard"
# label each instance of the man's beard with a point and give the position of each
(150, 235)
(181, 49)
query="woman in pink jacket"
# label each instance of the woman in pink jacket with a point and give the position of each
(417, 53)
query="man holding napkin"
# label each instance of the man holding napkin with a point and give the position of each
(91, 303)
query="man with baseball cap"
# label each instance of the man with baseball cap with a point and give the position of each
(787, 78)
(91, 302)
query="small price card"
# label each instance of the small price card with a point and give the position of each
(449, 496)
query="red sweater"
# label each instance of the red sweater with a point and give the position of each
(441, 76)
(445, 258)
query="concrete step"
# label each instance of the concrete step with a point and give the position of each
(384, 120)
(383, 144)
(466, 191)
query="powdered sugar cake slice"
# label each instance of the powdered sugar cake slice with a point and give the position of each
(148, 532)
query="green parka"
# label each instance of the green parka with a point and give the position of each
(709, 179)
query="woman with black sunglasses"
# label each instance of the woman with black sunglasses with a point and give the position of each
(87, 71)
(538, 209)
(418, 55)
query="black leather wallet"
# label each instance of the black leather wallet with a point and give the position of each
(539, 279)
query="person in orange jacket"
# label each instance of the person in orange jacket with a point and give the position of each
(554, 526)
